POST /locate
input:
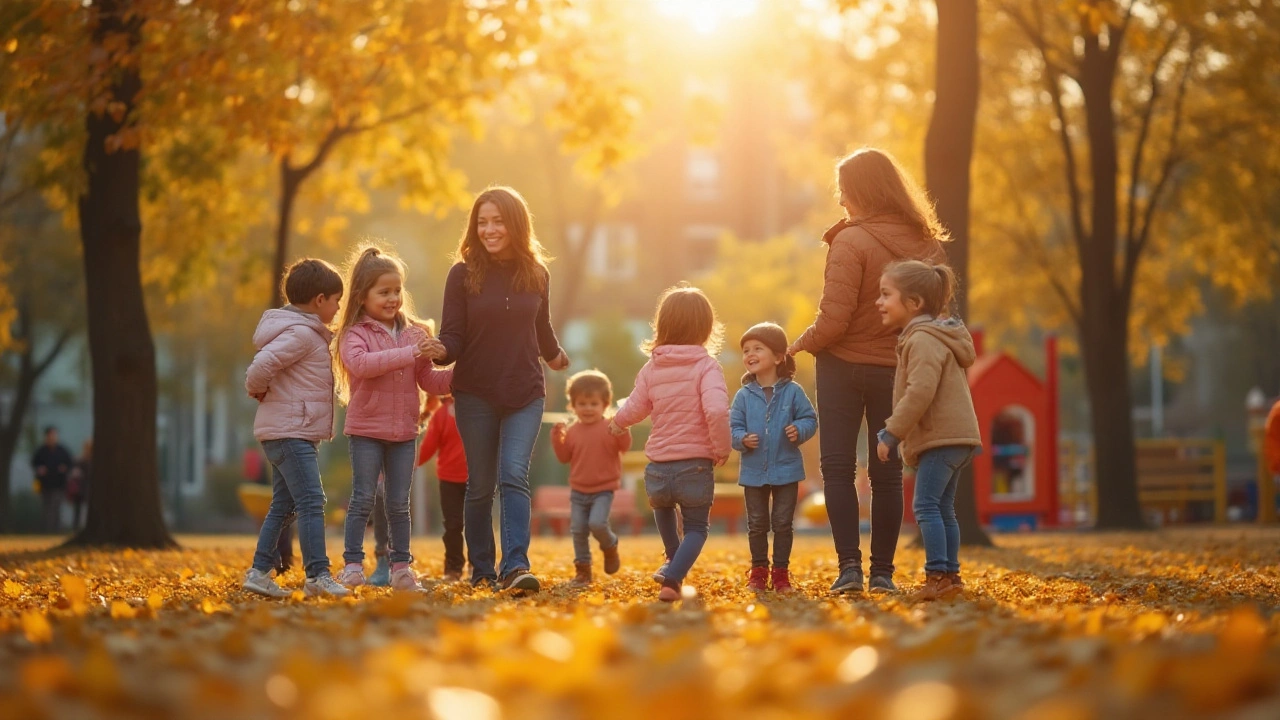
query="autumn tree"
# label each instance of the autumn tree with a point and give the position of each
(1152, 189)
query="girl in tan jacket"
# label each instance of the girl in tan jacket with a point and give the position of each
(933, 424)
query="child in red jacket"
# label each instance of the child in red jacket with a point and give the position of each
(442, 438)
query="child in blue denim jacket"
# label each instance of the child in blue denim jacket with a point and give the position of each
(770, 419)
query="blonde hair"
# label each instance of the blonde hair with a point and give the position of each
(685, 317)
(368, 262)
(933, 286)
(589, 382)
(877, 185)
(530, 257)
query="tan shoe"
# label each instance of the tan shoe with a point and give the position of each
(583, 576)
(937, 586)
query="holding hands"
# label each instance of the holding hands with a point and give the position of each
(882, 452)
(614, 429)
(431, 348)
(558, 430)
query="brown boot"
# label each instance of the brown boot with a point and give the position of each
(583, 578)
(937, 586)
(956, 581)
(612, 563)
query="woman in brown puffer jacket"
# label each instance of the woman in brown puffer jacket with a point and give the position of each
(888, 218)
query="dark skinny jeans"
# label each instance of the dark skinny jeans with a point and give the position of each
(848, 392)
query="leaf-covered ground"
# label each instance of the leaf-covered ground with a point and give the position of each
(1054, 627)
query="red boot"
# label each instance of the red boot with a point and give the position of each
(782, 580)
(758, 579)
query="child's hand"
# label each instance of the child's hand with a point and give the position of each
(258, 396)
(751, 441)
(614, 429)
(722, 460)
(882, 452)
(793, 432)
(559, 428)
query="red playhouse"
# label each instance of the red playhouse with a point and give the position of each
(1016, 475)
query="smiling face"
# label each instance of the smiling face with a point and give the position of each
(589, 408)
(492, 230)
(895, 309)
(760, 361)
(383, 300)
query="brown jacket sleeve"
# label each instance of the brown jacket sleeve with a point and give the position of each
(923, 358)
(842, 281)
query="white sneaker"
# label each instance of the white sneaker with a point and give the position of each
(259, 582)
(404, 580)
(351, 576)
(324, 585)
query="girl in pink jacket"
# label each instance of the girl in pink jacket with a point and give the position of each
(384, 357)
(683, 387)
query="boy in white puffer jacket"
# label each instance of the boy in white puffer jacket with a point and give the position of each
(291, 377)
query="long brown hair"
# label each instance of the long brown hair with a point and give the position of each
(368, 262)
(685, 316)
(528, 254)
(932, 285)
(877, 185)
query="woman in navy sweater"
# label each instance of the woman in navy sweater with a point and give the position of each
(496, 325)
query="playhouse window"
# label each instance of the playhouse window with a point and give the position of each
(1012, 448)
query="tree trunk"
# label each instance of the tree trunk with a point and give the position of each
(125, 510)
(1105, 307)
(948, 151)
(290, 183)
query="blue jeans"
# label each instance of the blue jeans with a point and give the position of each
(499, 444)
(295, 490)
(394, 461)
(690, 486)
(589, 516)
(935, 505)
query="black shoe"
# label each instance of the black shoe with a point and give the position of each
(521, 581)
(881, 584)
(850, 581)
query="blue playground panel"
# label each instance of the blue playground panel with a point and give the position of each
(1013, 523)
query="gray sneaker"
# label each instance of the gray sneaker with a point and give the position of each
(661, 575)
(324, 585)
(520, 581)
(850, 580)
(881, 584)
(259, 582)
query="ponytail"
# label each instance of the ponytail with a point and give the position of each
(933, 286)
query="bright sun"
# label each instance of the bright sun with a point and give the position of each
(706, 16)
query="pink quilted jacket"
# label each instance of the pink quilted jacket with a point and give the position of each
(295, 371)
(683, 387)
(384, 381)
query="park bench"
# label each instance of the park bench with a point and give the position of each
(1172, 474)
(551, 505)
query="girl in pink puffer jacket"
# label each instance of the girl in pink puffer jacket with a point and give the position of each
(384, 359)
(683, 387)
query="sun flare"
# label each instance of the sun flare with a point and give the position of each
(706, 16)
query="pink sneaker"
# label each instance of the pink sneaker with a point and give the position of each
(351, 576)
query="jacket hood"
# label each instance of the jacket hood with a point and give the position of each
(901, 239)
(276, 321)
(951, 332)
(669, 355)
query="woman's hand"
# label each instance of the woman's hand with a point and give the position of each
(558, 430)
(751, 441)
(432, 349)
(793, 432)
(560, 363)
(882, 452)
(794, 349)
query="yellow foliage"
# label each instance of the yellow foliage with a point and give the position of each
(1177, 623)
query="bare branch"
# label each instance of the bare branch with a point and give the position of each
(1144, 129)
(1053, 83)
(53, 353)
(1036, 34)
(1173, 157)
